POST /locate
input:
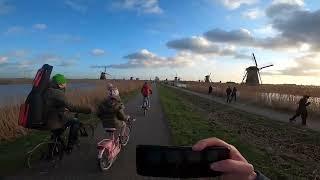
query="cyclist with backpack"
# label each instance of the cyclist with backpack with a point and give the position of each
(57, 106)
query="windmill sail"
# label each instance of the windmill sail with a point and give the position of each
(265, 66)
(255, 61)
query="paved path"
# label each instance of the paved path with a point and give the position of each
(82, 164)
(266, 112)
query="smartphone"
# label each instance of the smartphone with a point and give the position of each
(178, 162)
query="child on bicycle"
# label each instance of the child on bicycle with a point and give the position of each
(57, 107)
(111, 111)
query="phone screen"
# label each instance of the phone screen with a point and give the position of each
(183, 162)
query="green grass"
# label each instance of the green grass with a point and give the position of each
(189, 122)
(13, 153)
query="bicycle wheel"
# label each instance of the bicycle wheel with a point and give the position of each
(125, 138)
(145, 111)
(44, 155)
(105, 162)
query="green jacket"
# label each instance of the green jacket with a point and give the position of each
(111, 113)
(55, 105)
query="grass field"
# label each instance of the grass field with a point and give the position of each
(277, 149)
(12, 153)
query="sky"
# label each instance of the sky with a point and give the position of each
(148, 38)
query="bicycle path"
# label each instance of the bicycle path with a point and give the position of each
(313, 124)
(82, 163)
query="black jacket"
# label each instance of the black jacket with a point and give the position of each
(56, 104)
(111, 112)
(303, 103)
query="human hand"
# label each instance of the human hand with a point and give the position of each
(237, 167)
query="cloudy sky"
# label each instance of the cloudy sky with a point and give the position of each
(148, 38)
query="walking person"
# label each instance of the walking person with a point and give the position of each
(210, 89)
(302, 110)
(228, 91)
(234, 94)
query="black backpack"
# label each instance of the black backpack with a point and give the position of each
(33, 112)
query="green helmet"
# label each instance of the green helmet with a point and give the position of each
(59, 79)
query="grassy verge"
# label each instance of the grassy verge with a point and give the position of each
(278, 150)
(12, 153)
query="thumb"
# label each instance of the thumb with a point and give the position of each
(232, 166)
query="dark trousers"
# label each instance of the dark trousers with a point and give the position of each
(74, 125)
(228, 98)
(303, 114)
(233, 96)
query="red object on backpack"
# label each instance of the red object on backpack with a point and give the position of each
(38, 77)
(23, 115)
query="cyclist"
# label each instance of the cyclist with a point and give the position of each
(57, 106)
(111, 111)
(146, 91)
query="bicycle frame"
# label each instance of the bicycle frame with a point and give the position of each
(108, 149)
(112, 145)
(145, 102)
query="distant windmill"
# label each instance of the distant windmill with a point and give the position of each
(176, 78)
(104, 74)
(207, 78)
(252, 75)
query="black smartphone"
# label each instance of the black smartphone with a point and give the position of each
(178, 162)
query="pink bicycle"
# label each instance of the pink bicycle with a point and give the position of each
(108, 149)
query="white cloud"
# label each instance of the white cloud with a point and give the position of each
(15, 30)
(147, 59)
(97, 52)
(39, 26)
(3, 59)
(267, 30)
(254, 13)
(234, 4)
(77, 5)
(307, 65)
(292, 2)
(5, 7)
(200, 45)
(142, 6)
(242, 36)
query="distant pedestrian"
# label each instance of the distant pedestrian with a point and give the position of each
(302, 110)
(210, 89)
(234, 94)
(228, 91)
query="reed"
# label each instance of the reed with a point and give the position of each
(9, 128)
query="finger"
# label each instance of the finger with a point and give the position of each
(232, 166)
(234, 153)
(202, 144)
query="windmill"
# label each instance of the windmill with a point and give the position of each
(252, 75)
(207, 78)
(177, 78)
(104, 74)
